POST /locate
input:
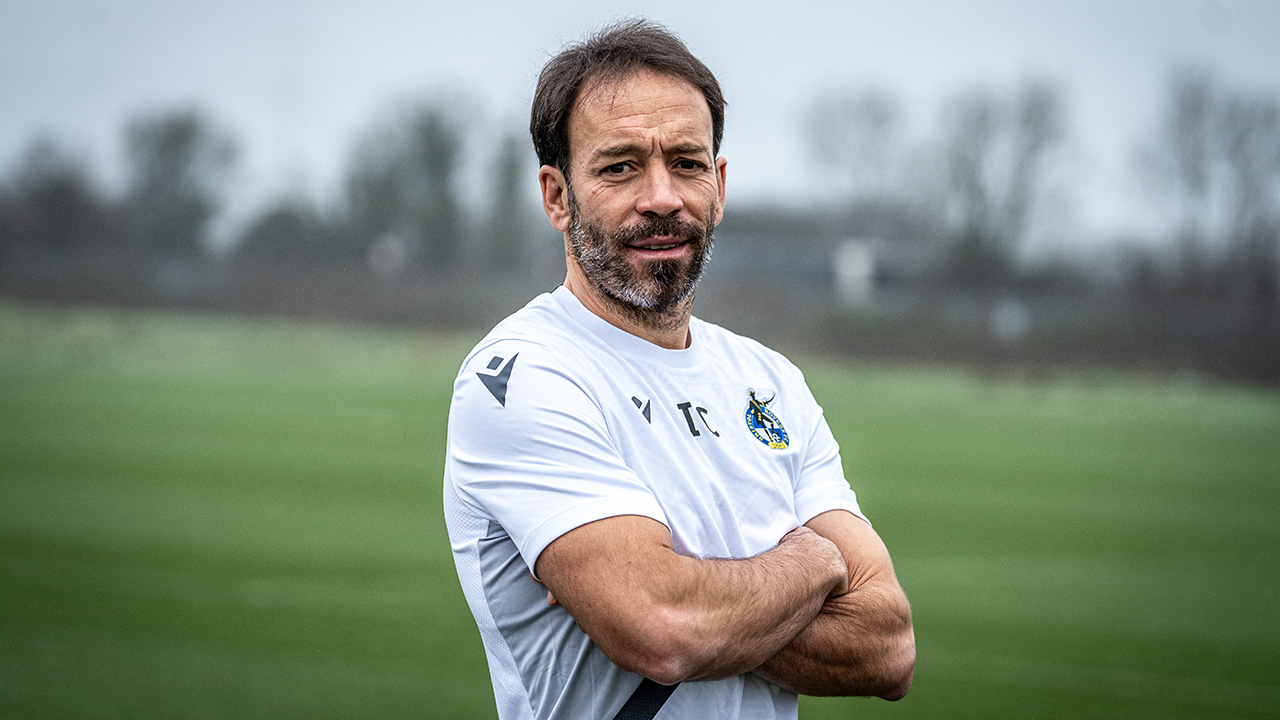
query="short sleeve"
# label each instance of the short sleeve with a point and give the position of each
(821, 484)
(530, 449)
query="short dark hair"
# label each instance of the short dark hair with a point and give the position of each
(610, 54)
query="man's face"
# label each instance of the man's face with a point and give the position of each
(645, 284)
(645, 191)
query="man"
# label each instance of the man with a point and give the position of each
(631, 492)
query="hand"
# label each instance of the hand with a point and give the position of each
(824, 554)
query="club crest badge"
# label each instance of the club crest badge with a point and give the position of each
(764, 424)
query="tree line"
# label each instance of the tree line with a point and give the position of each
(976, 189)
(968, 199)
(399, 205)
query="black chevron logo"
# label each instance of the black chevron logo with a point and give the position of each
(497, 384)
(644, 411)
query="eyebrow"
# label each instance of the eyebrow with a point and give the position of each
(614, 151)
(690, 149)
(624, 149)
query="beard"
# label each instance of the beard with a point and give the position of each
(653, 292)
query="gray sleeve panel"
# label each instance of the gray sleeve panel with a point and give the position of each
(565, 675)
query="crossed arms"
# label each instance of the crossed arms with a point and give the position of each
(820, 614)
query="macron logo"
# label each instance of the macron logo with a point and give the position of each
(643, 408)
(497, 384)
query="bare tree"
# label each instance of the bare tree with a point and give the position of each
(1250, 146)
(290, 232)
(52, 205)
(996, 150)
(1181, 162)
(1217, 157)
(510, 217)
(855, 139)
(975, 125)
(433, 151)
(403, 179)
(178, 165)
(1038, 128)
(375, 193)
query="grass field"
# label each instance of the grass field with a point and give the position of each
(212, 518)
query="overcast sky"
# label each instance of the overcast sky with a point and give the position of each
(297, 81)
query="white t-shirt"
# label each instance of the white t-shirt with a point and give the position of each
(560, 419)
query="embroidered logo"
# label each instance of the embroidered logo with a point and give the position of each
(764, 424)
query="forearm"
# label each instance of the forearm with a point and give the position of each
(860, 643)
(738, 613)
(673, 618)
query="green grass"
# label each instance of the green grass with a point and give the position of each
(209, 518)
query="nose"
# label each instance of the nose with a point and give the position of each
(658, 195)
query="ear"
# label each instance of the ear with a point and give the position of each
(721, 163)
(555, 196)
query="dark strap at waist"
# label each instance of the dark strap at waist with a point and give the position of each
(646, 701)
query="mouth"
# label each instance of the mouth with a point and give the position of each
(659, 245)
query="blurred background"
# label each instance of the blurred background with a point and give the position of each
(1027, 253)
(1069, 182)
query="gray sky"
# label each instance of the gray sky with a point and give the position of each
(298, 81)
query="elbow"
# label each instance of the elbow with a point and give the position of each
(900, 670)
(667, 671)
(897, 685)
(663, 662)
(662, 648)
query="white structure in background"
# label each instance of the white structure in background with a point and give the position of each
(1010, 321)
(878, 274)
(388, 255)
(854, 262)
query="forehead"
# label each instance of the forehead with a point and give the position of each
(641, 102)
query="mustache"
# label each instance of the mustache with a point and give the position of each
(650, 227)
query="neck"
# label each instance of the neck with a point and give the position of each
(667, 328)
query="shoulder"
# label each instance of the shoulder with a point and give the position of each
(541, 328)
(534, 354)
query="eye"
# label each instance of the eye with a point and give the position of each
(689, 165)
(616, 169)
